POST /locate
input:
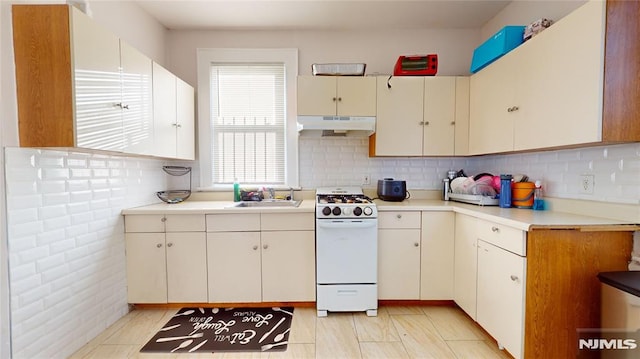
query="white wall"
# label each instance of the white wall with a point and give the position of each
(35, 280)
(378, 49)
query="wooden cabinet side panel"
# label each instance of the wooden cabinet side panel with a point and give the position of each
(43, 75)
(621, 112)
(562, 288)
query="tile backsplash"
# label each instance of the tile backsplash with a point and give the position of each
(66, 243)
(344, 161)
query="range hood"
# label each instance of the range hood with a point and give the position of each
(337, 125)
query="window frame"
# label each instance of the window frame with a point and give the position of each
(247, 56)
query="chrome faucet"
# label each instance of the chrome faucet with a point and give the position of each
(291, 193)
(272, 193)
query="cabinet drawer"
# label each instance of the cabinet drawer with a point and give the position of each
(144, 223)
(399, 220)
(233, 222)
(511, 239)
(185, 223)
(287, 221)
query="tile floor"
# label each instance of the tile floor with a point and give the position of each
(397, 332)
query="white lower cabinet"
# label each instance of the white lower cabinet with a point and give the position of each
(500, 301)
(437, 256)
(465, 265)
(399, 259)
(234, 267)
(166, 260)
(263, 265)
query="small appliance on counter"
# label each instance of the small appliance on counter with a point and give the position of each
(392, 190)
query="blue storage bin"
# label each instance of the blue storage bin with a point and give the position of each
(505, 40)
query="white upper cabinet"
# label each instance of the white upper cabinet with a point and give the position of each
(173, 112)
(421, 116)
(336, 96)
(545, 93)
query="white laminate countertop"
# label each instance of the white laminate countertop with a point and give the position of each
(523, 219)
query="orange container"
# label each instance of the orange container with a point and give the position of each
(522, 194)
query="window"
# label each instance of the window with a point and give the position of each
(246, 119)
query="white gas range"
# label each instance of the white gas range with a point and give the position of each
(346, 251)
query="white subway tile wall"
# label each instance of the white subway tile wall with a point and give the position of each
(326, 161)
(66, 243)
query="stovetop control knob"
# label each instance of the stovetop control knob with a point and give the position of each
(368, 211)
(326, 211)
(357, 211)
(346, 211)
(336, 211)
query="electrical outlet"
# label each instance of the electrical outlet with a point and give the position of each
(366, 180)
(586, 184)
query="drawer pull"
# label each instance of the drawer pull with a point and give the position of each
(159, 245)
(416, 244)
(265, 246)
(255, 248)
(398, 216)
(514, 278)
(164, 219)
(495, 229)
(169, 244)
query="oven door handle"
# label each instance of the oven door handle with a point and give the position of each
(347, 224)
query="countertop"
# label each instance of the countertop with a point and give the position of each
(625, 281)
(523, 219)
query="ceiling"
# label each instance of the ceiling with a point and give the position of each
(321, 14)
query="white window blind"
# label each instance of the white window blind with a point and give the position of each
(248, 123)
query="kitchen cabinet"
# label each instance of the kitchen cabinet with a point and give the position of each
(173, 114)
(466, 264)
(399, 255)
(437, 256)
(530, 100)
(421, 116)
(80, 86)
(261, 257)
(166, 258)
(336, 96)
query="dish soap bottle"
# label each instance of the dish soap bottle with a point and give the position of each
(538, 201)
(236, 190)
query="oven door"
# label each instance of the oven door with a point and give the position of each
(347, 251)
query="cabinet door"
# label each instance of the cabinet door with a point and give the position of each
(501, 283)
(317, 95)
(356, 96)
(233, 267)
(288, 266)
(399, 263)
(185, 118)
(437, 256)
(164, 111)
(465, 265)
(96, 66)
(560, 96)
(146, 268)
(461, 141)
(399, 116)
(137, 100)
(439, 116)
(186, 267)
(491, 97)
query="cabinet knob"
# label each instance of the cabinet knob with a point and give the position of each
(514, 278)
(159, 245)
(169, 244)
(398, 216)
(265, 246)
(453, 123)
(416, 244)
(495, 229)
(163, 219)
(421, 123)
(426, 123)
(513, 109)
(339, 99)
(255, 248)
(335, 99)
(177, 125)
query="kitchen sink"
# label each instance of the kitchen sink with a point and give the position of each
(267, 203)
